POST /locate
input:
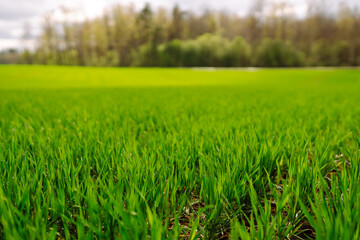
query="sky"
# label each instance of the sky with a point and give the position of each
(14, 14)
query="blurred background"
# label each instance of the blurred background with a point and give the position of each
(183, 33)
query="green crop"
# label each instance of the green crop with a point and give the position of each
(178, 153)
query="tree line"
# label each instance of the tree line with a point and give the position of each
(124, 36)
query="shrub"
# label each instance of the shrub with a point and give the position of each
(276, 53)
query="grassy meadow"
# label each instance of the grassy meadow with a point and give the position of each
(136, 153)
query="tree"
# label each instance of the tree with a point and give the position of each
(176, 30)
(48, 41)
(144, 24)
(26, 37)
(276, 53)
(275, 37)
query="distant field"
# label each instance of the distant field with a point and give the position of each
(129, 153)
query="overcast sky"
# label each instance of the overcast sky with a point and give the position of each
(14, 13)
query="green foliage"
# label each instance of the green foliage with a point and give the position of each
(111, 153)
(125, 36)
(323, 54)
(51, 58)
(276, 53)
(239, 53)
(344, 54)
(27, 57)
(172, 54)
(112, 58)
(70, 57)
(146, 56)
(207, 50)
(211, 50)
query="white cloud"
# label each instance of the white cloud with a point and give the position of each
(8, 43)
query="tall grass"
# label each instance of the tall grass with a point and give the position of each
(260, 155)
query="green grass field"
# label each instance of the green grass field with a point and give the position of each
(112, 153)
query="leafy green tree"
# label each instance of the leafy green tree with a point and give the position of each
(211, 50)
(171, 54)
(323, 54)
(176, 30)
(276, 53)
(239, 53)
(144, 24)
(124, 36)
